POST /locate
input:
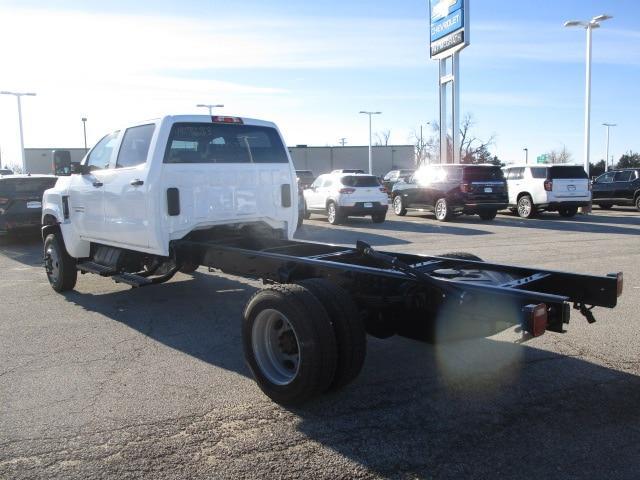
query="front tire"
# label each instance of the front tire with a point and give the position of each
(443, 213)
(526, 209)
(398, 206)
(59, 265)
(289, 343)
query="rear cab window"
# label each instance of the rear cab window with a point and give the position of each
(482, 174)
(360, 181)
(224, 143)
(567, 173)
(624, 176)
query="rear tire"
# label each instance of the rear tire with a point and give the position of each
(488, 215)
(638, 203)
(289, 343)
(348, 328)
(398, 206)
(333, 214)
(526, 208)
(568, 212)
(378, 217)
(59, 265)
(442, 210)
(307, 213)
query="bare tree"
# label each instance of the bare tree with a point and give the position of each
(559, 156)
(382, 138)
(472, 149)
(427, 144)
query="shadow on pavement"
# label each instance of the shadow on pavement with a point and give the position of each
(480, 408)
(25, 248)
(326, 233)
(579, 223)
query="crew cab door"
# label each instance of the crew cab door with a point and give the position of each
(622, 184)
(603, 188)
(86, 191)
(126, 190)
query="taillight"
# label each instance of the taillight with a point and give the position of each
(619, 282)
(219, 119)
(3, 200)
(347, 190)
(465, 188)
(535, 319)
(548, 185)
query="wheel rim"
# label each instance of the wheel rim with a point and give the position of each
(276, 347)
(441, 209)
(524, 207)
(332, 213)
(397, 205)
(52, 263)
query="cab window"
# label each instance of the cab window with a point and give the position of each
(623, 176)
(100, 156)
(135, 146)
(606, 178)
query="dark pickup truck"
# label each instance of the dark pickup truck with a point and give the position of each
(450, 190)
(617, 187)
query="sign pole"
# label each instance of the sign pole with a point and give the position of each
(444, 154)
(455, 106)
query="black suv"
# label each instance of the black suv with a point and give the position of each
(394, 176)
(617, 187)
(450, 190)
(21, 201)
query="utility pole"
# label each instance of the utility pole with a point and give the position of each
(606, 157)
(370, 151)
(18, 95)
(526, 155)
(342, 141)
(84, 129)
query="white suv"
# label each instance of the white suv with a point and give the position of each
(340, 195)
(551, 188)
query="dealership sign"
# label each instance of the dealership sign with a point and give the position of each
(449, 26)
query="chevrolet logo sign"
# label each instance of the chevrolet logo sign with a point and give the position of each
(440, 8)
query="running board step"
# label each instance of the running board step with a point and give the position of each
(98, 269)
(132, 279)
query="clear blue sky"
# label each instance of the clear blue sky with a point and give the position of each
(311, 66)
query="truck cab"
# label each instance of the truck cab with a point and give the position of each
(147, 184)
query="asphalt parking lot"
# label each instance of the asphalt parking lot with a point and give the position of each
(110, 382)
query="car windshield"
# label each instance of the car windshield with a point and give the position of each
(224, 143)
(360, 181)
(31, 186)
(567, 172)
(474, 174)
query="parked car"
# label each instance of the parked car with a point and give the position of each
(450, 190)
(551, 188)
(305, 178)
(21, 201)
(394, 176)
(6, 171)
(617, 187)
(340, 195)
(347, 170)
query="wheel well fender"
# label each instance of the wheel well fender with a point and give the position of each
(522, 194)
(49, 225)
(636, 194)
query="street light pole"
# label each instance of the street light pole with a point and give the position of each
(84, 129)
(370, 151)
(209, 106)
(606, 157)
(18, 95)
(526, 156)
(588, 25)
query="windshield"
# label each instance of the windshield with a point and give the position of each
(474, 174)
(222, 143)
(360, 181)
(567, 172)
(31, 186)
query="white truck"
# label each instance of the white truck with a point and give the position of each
(168, 195)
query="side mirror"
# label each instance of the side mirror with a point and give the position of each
(79, 169)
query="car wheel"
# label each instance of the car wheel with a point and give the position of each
(526, 208)
(488, 214)
(289, 343)
(378, 217)
(443, 213)
(59, 265)
(398, 206)
(348, 327)
(568, 212)
(333, 214)
(638, 202)
(307, 213)
(605, 206)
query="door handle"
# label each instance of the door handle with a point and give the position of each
(136, 182)
(97, 184)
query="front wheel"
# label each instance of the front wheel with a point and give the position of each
(398, 206)
(525, 207)
(333, 214)
(443, 213)
(568, 212)
(289, 343)
(488, 215)
(59, 265)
